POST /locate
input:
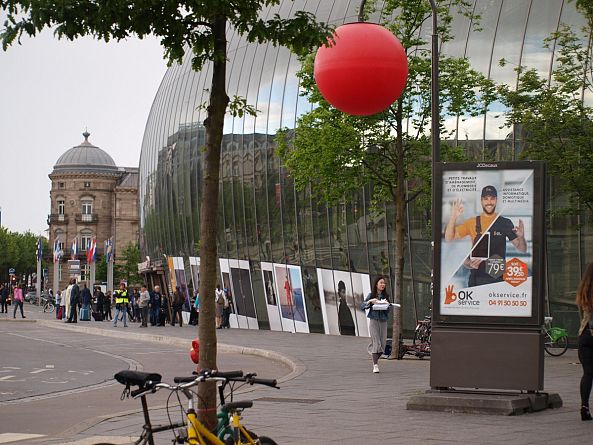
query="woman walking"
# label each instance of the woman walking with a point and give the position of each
(585, 304)
(18, 301)
(377, 320)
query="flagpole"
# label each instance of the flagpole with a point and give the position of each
(38, 282)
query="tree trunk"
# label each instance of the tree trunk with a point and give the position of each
(399, 196)
(208, 221)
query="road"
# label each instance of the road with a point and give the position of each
(52, 380)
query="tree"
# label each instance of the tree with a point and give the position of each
(553, 119)
(201, 27)
(126, 267)
(337, 154)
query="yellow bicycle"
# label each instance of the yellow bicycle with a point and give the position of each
(229, 430)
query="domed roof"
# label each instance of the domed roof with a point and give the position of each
(85, 158)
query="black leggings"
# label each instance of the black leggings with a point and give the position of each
(586, 359)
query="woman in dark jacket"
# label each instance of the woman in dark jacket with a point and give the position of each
(585, 303)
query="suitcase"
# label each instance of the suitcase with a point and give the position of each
(97, 316)
(85, 314)
(60, 313)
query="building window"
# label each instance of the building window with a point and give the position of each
(60, 185)
(85, 239)
(87, 184)
(61, 208)
(87, 209)
(84, 272)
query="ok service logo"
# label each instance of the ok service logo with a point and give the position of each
(450, 296)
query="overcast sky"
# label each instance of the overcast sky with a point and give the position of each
(50, 92)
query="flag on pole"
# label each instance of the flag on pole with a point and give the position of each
(74, 249)
(108, 250)
(91, 252)
(39, 249)
(56, 250)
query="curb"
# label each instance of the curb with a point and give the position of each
(295, 366)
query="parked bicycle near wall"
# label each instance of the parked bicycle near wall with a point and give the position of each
(420, 346)
(555, 338)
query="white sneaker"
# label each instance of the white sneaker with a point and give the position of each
(376, 369)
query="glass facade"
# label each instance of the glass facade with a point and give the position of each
(262, 218)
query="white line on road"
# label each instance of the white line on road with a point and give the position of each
(14, 437)
(37, 371)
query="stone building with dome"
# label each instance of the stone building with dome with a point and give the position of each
(91, 197)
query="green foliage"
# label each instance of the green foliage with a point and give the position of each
(339, 153)
(19, 251)
(555, 123)
(126, 267)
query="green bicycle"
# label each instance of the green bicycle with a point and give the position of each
(555, 338)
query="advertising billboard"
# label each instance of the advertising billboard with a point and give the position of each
(489, 252)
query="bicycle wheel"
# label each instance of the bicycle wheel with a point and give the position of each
(556, 348)
(49, 307)
(420, 334)
(263, 440)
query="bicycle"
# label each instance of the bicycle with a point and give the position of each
(229, 430)
(555, 338)
(420, 346)
(48, 304)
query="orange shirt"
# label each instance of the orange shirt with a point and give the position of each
(468, 227)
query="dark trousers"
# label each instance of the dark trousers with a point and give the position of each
(586, 359)
(176, 313)
(144, 315)
(18, 304)
(4, 305)
(155, 315)
(226, 313)
(73, 314)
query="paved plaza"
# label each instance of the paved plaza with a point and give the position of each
(329, 394)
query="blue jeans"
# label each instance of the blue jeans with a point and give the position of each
(123, 310)
(155, 315)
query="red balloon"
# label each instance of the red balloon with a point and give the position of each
(364, 72)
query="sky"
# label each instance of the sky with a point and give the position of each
(51, 91)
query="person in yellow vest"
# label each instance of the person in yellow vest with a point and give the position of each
(121, 303)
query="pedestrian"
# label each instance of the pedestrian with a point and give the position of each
(226, 313)
(86, 300)
(165, 316)
(18, 299)
(107, 306)
(136, 306)
(155, 306)
(4, 298)
(121, 304)
(195, 309)
(584, 302)
(219, 299)
(59, 305)
(75, 300)
(100, 296)
(178, 301)
(66, 300)
(143, 302)
(377, 320)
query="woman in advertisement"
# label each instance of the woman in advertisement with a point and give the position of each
(585, 303)
(377, 320)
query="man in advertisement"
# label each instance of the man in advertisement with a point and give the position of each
(489, 233)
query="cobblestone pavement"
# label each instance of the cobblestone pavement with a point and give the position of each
(331, 396)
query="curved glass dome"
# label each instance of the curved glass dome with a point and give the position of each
(264, 220)
(85, 157)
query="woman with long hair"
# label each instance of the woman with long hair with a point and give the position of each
(377, 320)
(585, 303)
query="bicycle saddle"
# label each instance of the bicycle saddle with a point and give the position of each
(139, 378)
